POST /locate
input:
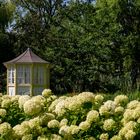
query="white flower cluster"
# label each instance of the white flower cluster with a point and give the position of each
(84, 125)
(48, 117)
(121, 100)
(53, 124)
(56, 137)
(115, 137)
(128, 131)
(74, 103)
(34, 105)
(67, 131)
(99, 98)
(22, 100)
(46, 93)
(63, 122)
(6, 103)
(132, 112)
(5, 128)
(92, 116)
(21, 130)
(45, 118)
(109, 124)
(108, 108)
(104, 136)
(3, 113)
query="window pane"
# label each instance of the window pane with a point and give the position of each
(23, 90)
(20, 75)
(36, 75)
(11, 74)
(39, 75)
(38, 90)
(27, 74)
(23, 74)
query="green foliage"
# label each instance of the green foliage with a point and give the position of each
(14, 114)
(93, 46)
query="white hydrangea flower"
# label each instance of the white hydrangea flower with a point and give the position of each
(130, 135)
(104, 136)
(51, 98)
(45, 118)
(15, 98)
(54, 103)
(42, 138)
(3, 113)
(33, 106)
(84, 125)
(39, 98)
(119, 110)
(110, 104)
(63, 122)
(0, 100)
(138, 120)
(136, 113)
(22, 100)
(99, 98)
(133, 104)
(121, 100)
(25, 123)
(131, 125)
(60, 108)
(123, 131)
(53, 124)
(128, 126)
(109, 124)
(64, 130)
(108, 108)
(5, 97)
(21, 130)
(86, 97)
(5, 128)
(46, 93)
(35, 122)
(128, 115)
(116, 138)
(6, 103)
(74, 129)
(103, 110)
(73, 104)
(27, 137)
(91, 138)
(92, 116)
(56, 137)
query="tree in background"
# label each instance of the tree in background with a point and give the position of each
(6, 38)
(93, 45)
(129, 19)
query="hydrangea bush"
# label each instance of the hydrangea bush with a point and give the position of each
(85, 116)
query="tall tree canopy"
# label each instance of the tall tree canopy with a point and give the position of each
(93, 45)
(6, 46)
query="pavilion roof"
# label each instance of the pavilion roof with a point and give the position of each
(26, 57)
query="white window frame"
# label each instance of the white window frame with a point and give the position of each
(11, 75)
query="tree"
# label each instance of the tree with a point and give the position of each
(6, 12)
(93, 46)
(129, 18)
